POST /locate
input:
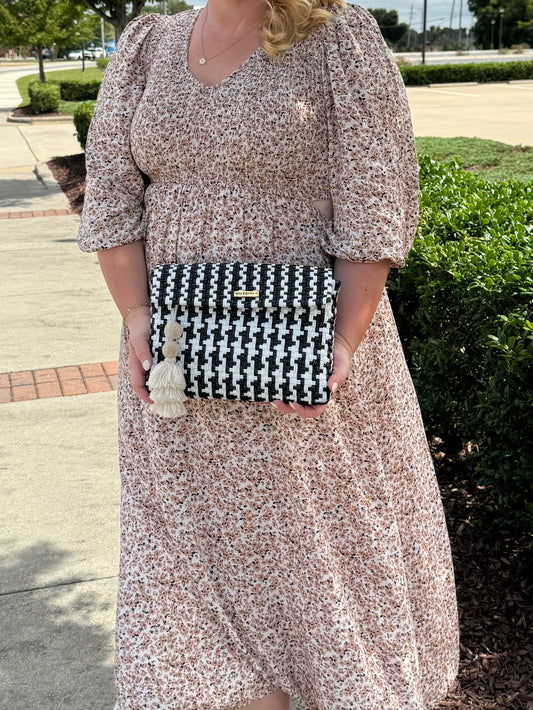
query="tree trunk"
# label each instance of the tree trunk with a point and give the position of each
(117, 14)
(120, 20)
(119, 28)
(42, 78)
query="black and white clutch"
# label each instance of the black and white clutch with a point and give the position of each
(249, 332)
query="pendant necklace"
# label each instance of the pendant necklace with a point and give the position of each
(203, 59)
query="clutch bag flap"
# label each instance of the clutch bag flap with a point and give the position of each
(253, 332)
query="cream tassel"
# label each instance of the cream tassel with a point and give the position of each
(166, 381)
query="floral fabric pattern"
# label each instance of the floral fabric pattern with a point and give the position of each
(260, 551)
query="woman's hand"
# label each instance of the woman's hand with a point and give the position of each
(140, 358)
(342, 355)
(125, 272)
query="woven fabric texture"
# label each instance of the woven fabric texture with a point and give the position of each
(252, 332)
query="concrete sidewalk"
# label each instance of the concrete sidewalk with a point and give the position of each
(26, 183)
(59, 486)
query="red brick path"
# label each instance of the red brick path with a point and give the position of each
(36, 213)
(58, 382)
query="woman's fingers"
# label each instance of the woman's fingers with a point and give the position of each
(144, 356)
(302, 410)
(139, 342)
(342, 358)
(140, 357)
(308, 411)
(282, 407)
(138, 378)
(339, 375)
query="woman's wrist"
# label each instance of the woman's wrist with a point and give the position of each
(130, 312)
(338, 338)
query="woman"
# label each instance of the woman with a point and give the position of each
(270, 551)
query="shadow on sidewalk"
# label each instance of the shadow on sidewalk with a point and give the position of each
(19, 193)
(56, 647)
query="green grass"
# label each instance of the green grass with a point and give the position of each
(90, 74)
(490, 159)
(68, 107)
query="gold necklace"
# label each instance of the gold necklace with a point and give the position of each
(203, 59)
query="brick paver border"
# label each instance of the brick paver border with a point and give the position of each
(36, 213)
(58, 382)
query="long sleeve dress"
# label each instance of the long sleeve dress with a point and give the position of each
(262, 551)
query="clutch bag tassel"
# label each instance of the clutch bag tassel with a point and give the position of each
(166, 381)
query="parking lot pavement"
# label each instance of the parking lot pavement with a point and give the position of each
(497, 111)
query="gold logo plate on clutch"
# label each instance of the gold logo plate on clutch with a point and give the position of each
(246, 294)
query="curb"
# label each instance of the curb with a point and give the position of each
(454, 83)
(45, 175)
(39, 119)
(475, 83)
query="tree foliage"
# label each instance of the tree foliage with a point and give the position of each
(514, 17)
(392, 30)
(43, 22)
(116, 12)
(169, 7)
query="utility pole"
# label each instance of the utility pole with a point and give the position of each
(409, 30)
(501, 27)
(460, 22)
(451, 13)
(102, 35)
(451, 21)
(424, 22)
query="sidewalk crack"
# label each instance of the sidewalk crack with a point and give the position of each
(28, 144)
(58, 584)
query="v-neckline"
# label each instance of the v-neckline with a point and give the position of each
(223, 81)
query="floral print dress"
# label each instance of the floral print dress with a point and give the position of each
(261, 551)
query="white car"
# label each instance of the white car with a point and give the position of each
(77, 53)
(96, 52)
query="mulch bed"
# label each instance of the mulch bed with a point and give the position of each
(69, 172)
(494, 579)
(494, 571)
(26, 112)
(23, 112)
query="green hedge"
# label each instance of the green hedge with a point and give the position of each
(76, 90)
(464, 308)
(44, 98)
(422, 75)
(82, 120)
(102, 63)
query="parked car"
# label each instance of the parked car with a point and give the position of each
(77, 54)
(46, 53)
(96, 52)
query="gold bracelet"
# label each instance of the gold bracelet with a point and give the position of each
(133, 308)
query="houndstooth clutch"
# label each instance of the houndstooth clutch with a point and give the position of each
(251, 332)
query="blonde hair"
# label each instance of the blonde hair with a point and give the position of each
(290, 21)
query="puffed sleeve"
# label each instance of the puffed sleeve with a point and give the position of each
(113, 207)
(373, 170)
